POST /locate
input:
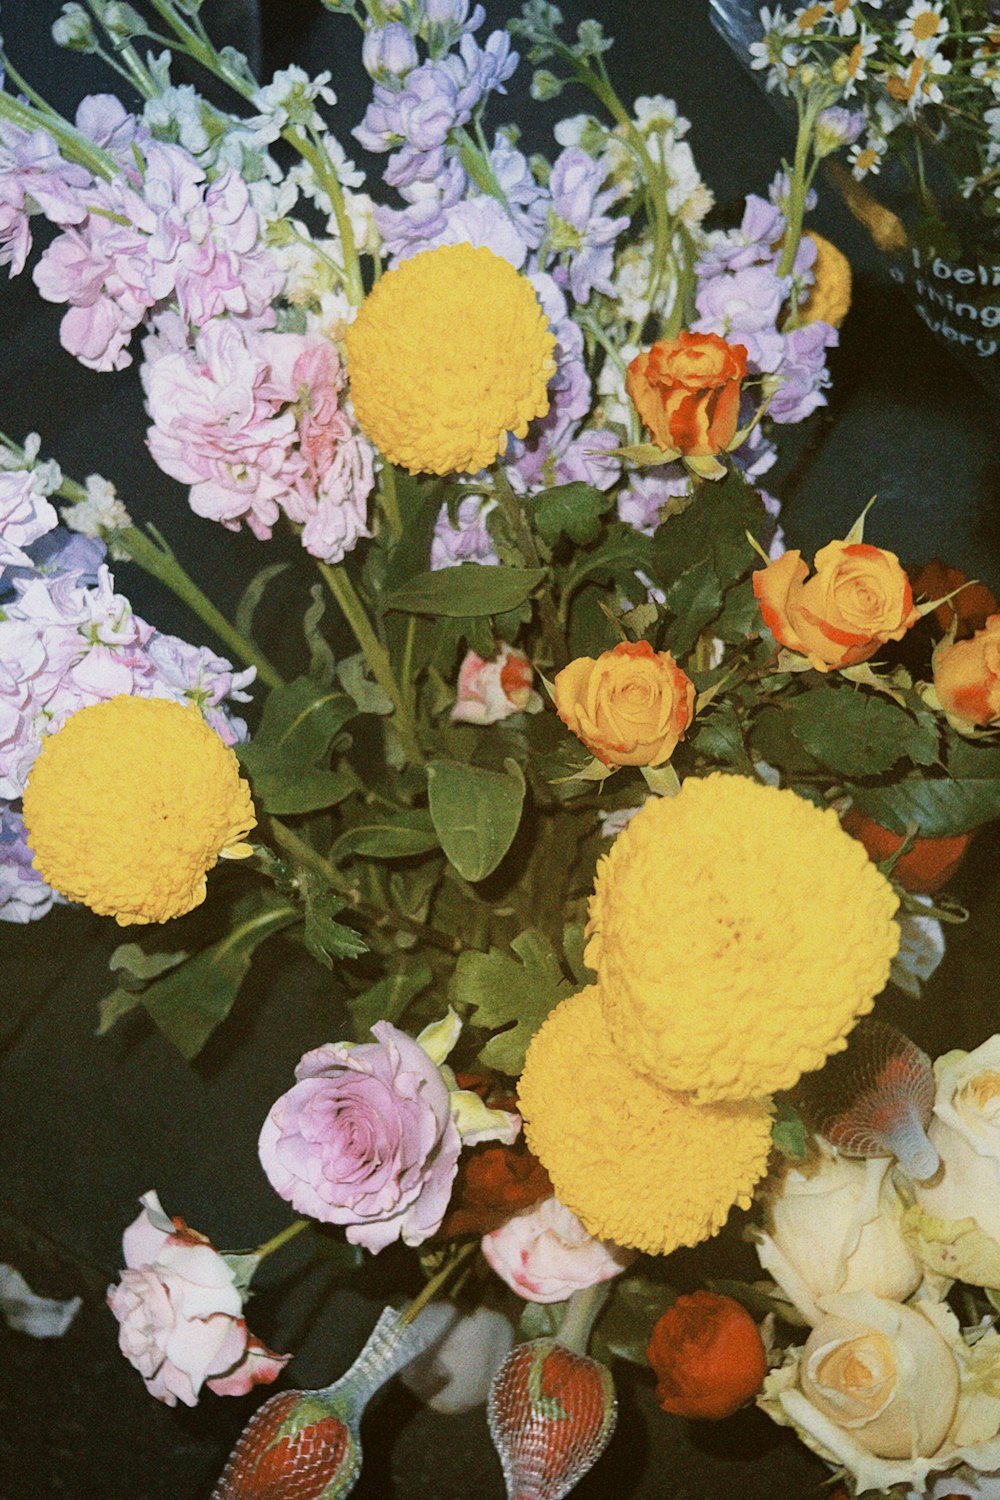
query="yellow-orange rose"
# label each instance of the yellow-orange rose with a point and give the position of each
(687, 392)
(857, 599)
(967, 676)
(630, 706)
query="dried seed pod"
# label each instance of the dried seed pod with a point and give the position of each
(551, 1414)
(876, 1099)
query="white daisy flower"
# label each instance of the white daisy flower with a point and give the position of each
(922, 29)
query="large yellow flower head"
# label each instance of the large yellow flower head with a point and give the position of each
(636, 1163)
(738, 933)
(130, 803)
(449, 353)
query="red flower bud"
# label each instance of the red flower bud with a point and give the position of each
(707, 1355)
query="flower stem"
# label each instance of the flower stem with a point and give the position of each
(581, 1315)
(281, 1238)
(524, 540)
(377, 657)
(437, 1281)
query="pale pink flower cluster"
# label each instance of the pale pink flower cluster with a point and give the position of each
(180, 1312)
(489, 691)
(25, 514)
(149, 238)
(252, 420)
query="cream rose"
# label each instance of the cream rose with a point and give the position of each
(956, 1225)
(837, 1229)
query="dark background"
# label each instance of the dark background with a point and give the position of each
(87, 1123)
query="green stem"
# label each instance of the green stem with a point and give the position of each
(389, 500)
(375, 654)
(299, 848)
(581, 1315)
(524, 540)
(40, 116)
(437, 1281)
(326, 175)
(156, 559)
(281, 1238)
(797, 188)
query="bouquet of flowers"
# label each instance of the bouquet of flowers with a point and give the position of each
(616, 815)
(910, 91)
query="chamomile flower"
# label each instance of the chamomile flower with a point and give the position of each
(866, 158)
(843, 14)
(851, 70)
(921, 30)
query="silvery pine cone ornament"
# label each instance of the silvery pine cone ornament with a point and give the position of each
(551, 1414)
(876, 1099)
(305, 1445)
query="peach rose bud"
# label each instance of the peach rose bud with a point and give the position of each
(967, 677)
(630, 706)
(687, 392)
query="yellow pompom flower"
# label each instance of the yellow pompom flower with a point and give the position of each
(738, 933)
(830, 295)
(449, 353)
(636, 1164)
(130, 803)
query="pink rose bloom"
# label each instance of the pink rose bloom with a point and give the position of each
(492, 690)
(180, 1312)
(544, 1253)
(366, 1138)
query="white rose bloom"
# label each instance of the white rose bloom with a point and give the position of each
(965, 1130)
(837, 1230)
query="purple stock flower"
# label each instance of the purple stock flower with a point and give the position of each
(24, 896)
(25, 515)
(641, 504)
(579, 226)
(803, 371)
(32, 168)
(365, 1138)
(745, 301)
(389, 52)
(465, 539)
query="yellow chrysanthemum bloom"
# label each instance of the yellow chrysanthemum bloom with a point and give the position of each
(636, 1163)
(130, 803)
(830, 295)
(738, 933)
(449, 353)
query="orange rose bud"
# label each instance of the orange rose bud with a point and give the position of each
(687, 392)
(925, 867)
(858, 598)
(967, 676)
(973, 604)
(707, 1355)
(630, 706)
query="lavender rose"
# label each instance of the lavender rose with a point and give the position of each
(366, 1138)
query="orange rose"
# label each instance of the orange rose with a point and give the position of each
(630, 706)
(687, 392)
(857, 599)
(707, 1355)
(925, 867)
(967, 676)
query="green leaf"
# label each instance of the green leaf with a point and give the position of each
(719, 737)
(713, 529)
(615, 561)
(476, 813)
(572, 510)
(740, 615)
(515, 993)
(854, 733)
(469, 589)
(193, 999)
(352, 673)
(788, 1132)
(939, 807)
(325, 937)
(693, 599)
(322, 662)
(388, 999)
(252, 595)
(635, 1306)
(114, 1006)
(285, 757)
(396, 836)
(772, 740)
(138, 965)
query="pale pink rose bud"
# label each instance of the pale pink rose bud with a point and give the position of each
(181, 1314)
(545, 1255)
(492, 690)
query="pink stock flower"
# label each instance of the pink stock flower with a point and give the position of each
(544, 1253)
(25, 514)
(366, 1138)
(492, 690)
(181, 1314)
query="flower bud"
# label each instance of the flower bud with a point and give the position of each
(389, 51)
(74, 30)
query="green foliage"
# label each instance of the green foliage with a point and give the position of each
(515, 993)
(634, 1307)
(469, 589)
(253, 594)
(939, 806)
(788, 1132)
(388, 999)
(698, 555)
(288, 758)
(570, 510)
(475, 812)
(395, 835)
(857, 733)
(325, 937)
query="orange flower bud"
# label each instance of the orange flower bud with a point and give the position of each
(925, 867)
(687, 392)
(857, 599)
(967, 676)
(630, 706)
(707, 1355)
